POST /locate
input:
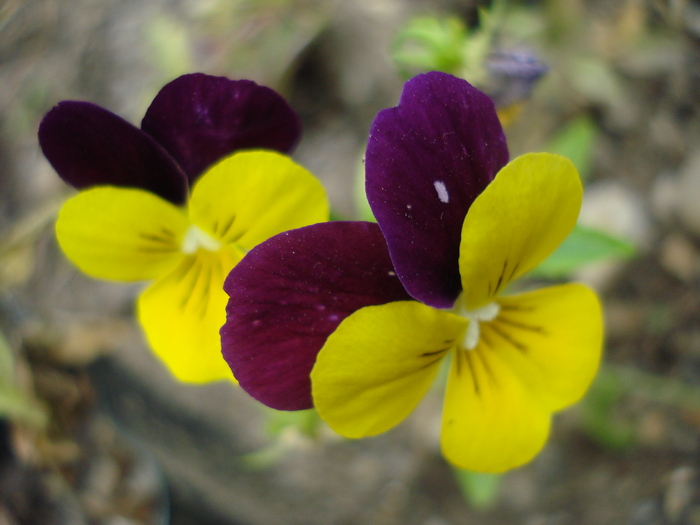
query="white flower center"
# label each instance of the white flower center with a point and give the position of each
(196, 238)
(485, 313)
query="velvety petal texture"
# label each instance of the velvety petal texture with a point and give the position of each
(290, 293)
(427, 160)
(121, 234)
(379, 363)
(491, 422)
(201, 118)
(182, 313)
(551, 338)
(252, 195)
(538, 356)
(90, 146)
(519, 219)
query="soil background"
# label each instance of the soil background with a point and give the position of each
(101, 434)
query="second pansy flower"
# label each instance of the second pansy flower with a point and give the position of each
(355, 318)
(170, 202)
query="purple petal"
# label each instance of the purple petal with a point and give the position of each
(200, 118)
(89, 146)
(427, 160)
(290, 293)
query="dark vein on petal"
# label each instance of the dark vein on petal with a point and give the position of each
(516, 307)
(522, 326)
(507, 337)
(155, 237)
(431, 362)
(475, 380)
(154, 249)
(227, 228)
(202, 282)
(442, 350)
(167, 233)
(487, 367)
(190, 272)
(500, 278)
(512, 273)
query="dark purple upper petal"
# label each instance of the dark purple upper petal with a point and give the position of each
(427, 160)
(200, 118)
(88, 146)
(289, 294)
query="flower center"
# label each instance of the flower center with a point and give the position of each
(196, 238)
(485, 313)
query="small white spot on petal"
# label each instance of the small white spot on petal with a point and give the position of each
(391, 274)
(441, 191)
(409, 206)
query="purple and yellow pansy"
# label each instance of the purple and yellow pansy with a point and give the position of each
(180, 201)
(355, 318)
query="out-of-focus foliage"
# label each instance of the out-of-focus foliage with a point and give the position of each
(15, 403)
(479, 490)
(582, 247)
(575, 141)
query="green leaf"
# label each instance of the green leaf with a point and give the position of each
(364, 212)
(583, 246)
(479, 490)
(575, 141)
(428, 43)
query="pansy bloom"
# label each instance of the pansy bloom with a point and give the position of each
(356, 318)
(180, 201)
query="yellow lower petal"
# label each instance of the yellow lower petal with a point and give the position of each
(250, 196)
(181, 316)
(379, 363)
(551, 339)
(120, 233)
(491, 422)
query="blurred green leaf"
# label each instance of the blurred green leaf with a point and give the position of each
(305, 421)
(7, 362)
(600, 420)
(15, 404)
(364, 212)
(478, 489)
(583, 246)
(575, 141)
(430, 44)
(171, 47)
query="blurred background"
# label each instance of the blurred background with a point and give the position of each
(93, 430)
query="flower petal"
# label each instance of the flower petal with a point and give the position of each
(491, 422)
(122, 234)
(289, 293)
(551, 339)
(181, 316)
(427, 160)
(519, 219)
(379, 363)
(251, 196)
(90, 146)
(200, 118)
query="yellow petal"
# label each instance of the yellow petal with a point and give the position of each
(251, 196)
(551, 339)
(379, 363)
(120, 233)
(491, 422)
(181, 316)
(518, 220)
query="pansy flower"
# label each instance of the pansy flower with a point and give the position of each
(180, 201)
(356, 318)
